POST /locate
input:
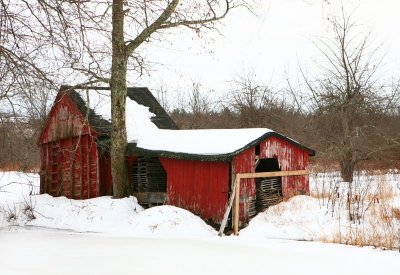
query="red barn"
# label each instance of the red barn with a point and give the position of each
(74, 143)
(192, 169)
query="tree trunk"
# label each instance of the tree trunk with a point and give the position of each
(347, 169)
(121, 187)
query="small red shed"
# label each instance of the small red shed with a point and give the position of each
(74, 142)
(194, 169)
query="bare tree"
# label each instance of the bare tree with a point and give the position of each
(99, 41)
(253, 102)
(348, 100)
(156, 16)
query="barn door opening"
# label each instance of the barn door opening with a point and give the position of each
(149, 181)
(268, 190)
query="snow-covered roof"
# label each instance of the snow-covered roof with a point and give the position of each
(138, 117)
(201, 142)
(146, 138)
(142, 110)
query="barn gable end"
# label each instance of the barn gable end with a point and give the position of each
(65, 120)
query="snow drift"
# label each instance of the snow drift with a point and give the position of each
(20, 205)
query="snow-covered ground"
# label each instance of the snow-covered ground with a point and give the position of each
(324, 216)
(62, 253)
(21, 205)
(40, 234)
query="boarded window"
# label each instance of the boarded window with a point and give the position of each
(149, 181)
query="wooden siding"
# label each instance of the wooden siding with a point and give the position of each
(69, 167)
(200, 187)
(69, 154)
(290, 157)
(64, 121)
(245, 163)
(105, 176)
(131, 160)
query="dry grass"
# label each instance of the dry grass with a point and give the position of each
(371, 218)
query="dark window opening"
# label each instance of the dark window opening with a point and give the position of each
(268, 165)
(149, 181)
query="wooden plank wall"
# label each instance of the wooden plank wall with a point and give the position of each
(105, 177)
(245, 163)
(69, 167)
(200, 187)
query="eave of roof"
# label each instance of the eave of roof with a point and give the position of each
(133, 149)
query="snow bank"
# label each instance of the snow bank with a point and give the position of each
(21, 205)
(300, 218)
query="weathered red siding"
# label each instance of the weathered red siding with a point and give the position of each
(69, 154)
(64, 121)
(290, 157)
(200, 187)
(70, 168)
(105, 177)
(245, 163)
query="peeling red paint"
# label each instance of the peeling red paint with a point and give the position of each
(290, 157)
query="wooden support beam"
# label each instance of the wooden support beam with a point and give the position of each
(237, 200)
(228, 209)
(273, 174)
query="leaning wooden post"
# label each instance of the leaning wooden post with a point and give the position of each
(228, 208)
(236, 208)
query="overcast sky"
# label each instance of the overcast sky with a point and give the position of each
(272, 43)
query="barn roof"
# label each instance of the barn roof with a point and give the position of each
(98, 100)
(207, 145)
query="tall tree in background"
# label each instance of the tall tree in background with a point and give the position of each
(348, 98)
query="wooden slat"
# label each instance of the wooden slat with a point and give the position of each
(228, 209)
(237, 199)
(272, 174)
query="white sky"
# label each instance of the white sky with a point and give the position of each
(275, 41)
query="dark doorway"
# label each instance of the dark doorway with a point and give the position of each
(149, 181)
(268, 190)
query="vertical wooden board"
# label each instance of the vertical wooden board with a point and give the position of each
(94, 169)
(77, 166)
(130, 160)
(85, 167)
